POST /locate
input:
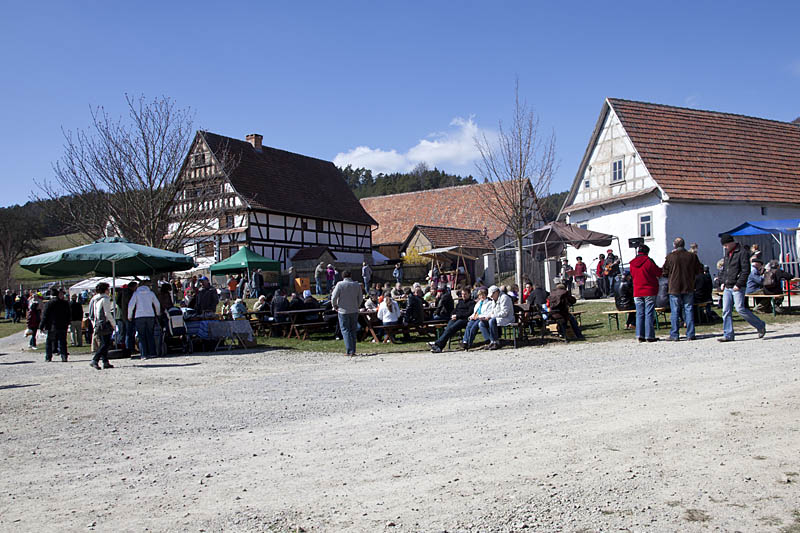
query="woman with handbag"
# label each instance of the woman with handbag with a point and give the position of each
(104, 324)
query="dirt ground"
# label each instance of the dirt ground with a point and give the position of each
(688, 436)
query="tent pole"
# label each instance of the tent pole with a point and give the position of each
(619, 247)
(114, 288)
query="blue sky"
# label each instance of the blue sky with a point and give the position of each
(389, 84)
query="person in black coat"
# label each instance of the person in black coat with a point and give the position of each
(458, 320)
(444, 306)
(623, 299)
(415, 312)
(55, 321)
(703, 292)
(279, 303)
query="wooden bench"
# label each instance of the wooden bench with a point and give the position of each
(302, 329)
(614, 315)
(770, 297)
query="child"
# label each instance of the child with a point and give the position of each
(34, 319)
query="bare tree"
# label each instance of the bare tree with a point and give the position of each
(520, 163)
(122, 176)
(20, 231)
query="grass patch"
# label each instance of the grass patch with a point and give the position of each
(49, 244)
(9, 328)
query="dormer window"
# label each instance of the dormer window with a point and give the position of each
(616, 171)
(587, 184)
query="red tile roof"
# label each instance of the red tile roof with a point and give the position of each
(450, 207)
(443, 237)
(707, 155)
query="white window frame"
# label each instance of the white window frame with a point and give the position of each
(639, 225)
(618, 169)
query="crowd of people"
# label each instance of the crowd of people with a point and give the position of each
(139, 314)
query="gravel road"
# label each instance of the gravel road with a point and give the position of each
(617, 436)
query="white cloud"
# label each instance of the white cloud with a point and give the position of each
(452, 150)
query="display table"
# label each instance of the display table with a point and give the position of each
(220, 330)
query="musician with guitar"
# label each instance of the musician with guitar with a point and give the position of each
(611, 270)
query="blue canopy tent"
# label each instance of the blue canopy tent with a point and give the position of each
(776, 238)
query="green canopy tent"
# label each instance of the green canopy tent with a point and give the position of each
(245, 259)
(110, 256)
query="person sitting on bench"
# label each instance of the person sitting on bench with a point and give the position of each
(389, 313)
(397, 291)
(703, 292)
(560, 300)
(502, 314)
(482, 311)
(444, 305)
(371, 303)
(461, 313)
(755, 283)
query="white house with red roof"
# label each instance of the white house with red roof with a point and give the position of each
(659, 172)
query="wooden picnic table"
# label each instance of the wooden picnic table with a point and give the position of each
(295, 327)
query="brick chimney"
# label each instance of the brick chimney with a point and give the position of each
(255, 139)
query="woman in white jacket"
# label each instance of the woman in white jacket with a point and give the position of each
(501, 314)
(389, 314)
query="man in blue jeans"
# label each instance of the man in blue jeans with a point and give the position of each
(346, 300)
(681, 268)
(735, 270)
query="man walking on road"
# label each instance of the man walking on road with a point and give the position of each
(143, 309)
(346, 300)
(735, 270)
(55, 321)
(681, 268)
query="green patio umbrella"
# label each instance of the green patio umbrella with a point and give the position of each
(111, 256)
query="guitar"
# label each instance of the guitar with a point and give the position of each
(610, 267)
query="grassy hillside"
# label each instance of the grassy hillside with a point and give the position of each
(49, 244)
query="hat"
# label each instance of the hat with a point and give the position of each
(756, 259)
(725, 238)
(203, 278)
(306, 293)
(238, 300)
(610, 251)
(493, 289)
(330, 265)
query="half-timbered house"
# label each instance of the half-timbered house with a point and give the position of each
(274, 201)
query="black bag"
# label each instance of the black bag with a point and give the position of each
(662, 299)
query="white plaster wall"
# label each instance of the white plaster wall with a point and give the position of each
(622, 221)
(612, 144)
(702, 223)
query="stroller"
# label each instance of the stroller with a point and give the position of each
(175, 335)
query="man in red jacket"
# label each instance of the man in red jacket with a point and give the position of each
(645, 274)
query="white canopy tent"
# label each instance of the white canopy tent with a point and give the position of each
(90, 283)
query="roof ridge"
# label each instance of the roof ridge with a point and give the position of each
(711, 111)
(427, 190)
(447, 228)
(264, 146)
